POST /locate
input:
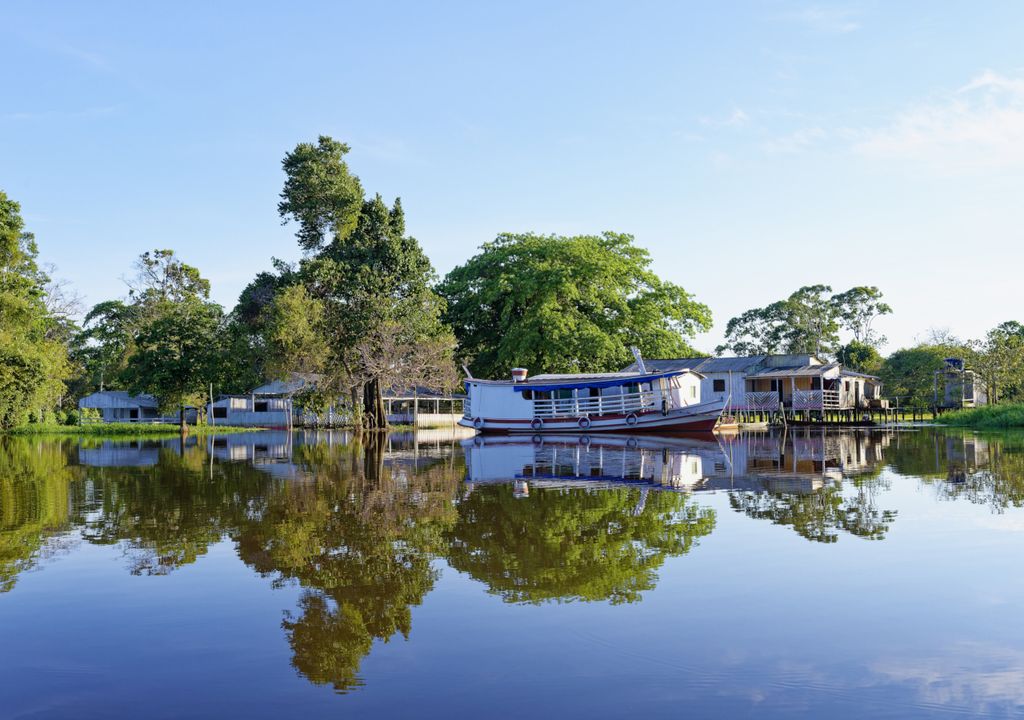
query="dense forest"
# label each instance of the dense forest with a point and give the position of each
(364, 311)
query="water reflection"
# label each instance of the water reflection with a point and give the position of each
(362, 530)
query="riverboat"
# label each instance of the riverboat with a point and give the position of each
(661, 402)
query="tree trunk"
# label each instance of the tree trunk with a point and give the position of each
(374, 416)
(181, 420)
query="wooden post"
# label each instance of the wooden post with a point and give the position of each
(210, 419)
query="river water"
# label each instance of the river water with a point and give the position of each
(267, 575)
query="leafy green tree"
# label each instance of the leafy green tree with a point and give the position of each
(566, 304)
(909, 373)
(858, 308)
(572, 544)
(860, 357)
(381, 320)
(175, 353)
(33, 358)
(999, 358)
(164, 340)
(808, 321)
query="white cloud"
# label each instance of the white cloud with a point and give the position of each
(828, 19)
(979, 126)
(737, 118)
(796, 141)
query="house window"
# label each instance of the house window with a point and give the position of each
(693, 391)
(718, 385)
(846, 386)
(260, 406)
(220, 412)
(816, 383)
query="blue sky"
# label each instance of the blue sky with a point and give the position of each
(751, 147)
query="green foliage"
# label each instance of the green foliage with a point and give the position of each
(987, 417)
(136, 429)
(819, 515)
(572, 544)
(33, 504)
(294, 333)
(860, 356)
(320, 193)
(566, 304)
(909, 374)
(369, 280)
(33, 360)
(808, 321)
(999, 359)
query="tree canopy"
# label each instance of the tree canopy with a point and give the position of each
(33, 362)
(566, 304)
(808, 321)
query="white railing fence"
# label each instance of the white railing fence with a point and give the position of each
(603, 405)
(767, 401)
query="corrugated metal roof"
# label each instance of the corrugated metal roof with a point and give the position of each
(666, 364)
(117, 398)
(854, 373)
(700, 364)
(801, 371)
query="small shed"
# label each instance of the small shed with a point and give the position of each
(122, 406)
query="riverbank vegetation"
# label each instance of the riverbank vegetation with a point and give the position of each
(363, 312)
(988, 417)
(136, 429)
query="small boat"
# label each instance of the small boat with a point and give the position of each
(662, 402)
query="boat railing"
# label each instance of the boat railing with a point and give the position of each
(602, 405)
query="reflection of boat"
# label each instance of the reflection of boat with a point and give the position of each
(608, 402)
(566, 460)
(795, 462)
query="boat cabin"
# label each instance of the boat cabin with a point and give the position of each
(574, 396)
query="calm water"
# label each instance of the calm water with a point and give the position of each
(855, 574)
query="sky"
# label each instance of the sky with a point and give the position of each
(752, 148)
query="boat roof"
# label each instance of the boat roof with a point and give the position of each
(569, 381)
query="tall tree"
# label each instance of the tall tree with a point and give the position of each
(33, 359)
(566, 304)
(858, 308)
(1000, 360)
(808, 321)
(381, 320)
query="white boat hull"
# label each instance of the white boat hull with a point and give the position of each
(690, 419)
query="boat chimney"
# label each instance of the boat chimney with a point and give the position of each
(519, 375)
(639, 359)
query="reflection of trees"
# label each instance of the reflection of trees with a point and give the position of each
(984, 469)
(359, 538)
(819, 515)
(34, 480)
(574, 543)
(169, 514)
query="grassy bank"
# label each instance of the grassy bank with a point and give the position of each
(989, 417)
(126, 430)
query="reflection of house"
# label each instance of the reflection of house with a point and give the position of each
(121, 406)
(109, 453)
(770, 383)
(804, 461)
(957, 386)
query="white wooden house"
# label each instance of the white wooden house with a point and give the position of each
(121, 406)
(777, 383)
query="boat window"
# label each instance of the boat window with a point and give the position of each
(527, 394)
(563, 394)
(542, 395)
(718, 385)
(631, 388)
